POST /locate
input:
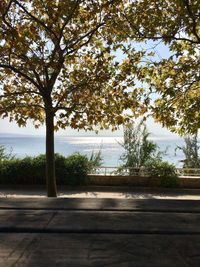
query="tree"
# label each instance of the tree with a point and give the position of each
(57, 68)
(138, 149)
(173, 81)
(191, 152)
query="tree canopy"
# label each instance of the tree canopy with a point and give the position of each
(58, 64)
(58, 68)
(176, 79)
(60, 49)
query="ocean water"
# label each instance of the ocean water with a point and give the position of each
(111, 150)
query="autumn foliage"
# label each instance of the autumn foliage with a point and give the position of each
(59, 65)
(57, 68)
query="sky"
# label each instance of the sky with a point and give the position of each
(156, 129)
(7, 127)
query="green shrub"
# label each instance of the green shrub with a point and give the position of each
(22, 171)
(163, 170)
(31, 170)
(4, 155)
(76, 169)
(95, 160)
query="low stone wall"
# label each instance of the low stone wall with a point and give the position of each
(114, 180)
(186, 182)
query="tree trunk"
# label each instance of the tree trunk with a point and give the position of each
(50, 160)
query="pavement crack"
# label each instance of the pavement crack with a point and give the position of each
(33, 242)
(182, 259)
(50, 219)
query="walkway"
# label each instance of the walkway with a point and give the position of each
(39, 232)
(119, 192)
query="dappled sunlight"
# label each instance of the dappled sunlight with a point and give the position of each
(105, 193)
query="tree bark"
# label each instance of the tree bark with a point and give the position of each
(50, 159)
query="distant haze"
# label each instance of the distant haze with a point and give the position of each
(7, 127)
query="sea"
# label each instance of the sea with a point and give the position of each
(110, 147)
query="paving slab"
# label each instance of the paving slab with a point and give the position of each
(41, 250)
(99, 232)
(99, 222)
(162, 205)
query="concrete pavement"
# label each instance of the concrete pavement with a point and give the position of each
(119, 192)
(99, 232)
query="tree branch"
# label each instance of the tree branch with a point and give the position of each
(161, 37)
(194, 25)
(6, 12)
(26, 59)
(88, 34)
(55, 74)
(36, 19)
(6, 109)
(71, 108)
(69, 18)
(57, 45)
(19, 93)
(16, 70)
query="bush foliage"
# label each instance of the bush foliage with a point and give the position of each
(4, 155)
(138, 149)
(163, 170)
(70, 170)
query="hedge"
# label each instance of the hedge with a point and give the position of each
(70, 170)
